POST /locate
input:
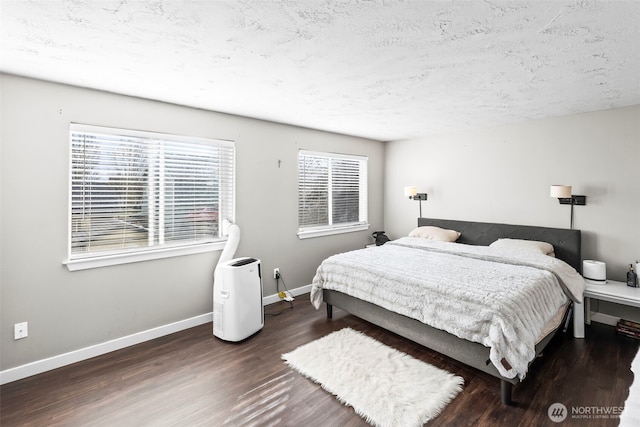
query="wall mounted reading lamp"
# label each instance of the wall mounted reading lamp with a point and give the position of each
(413, 194)
(564, 196)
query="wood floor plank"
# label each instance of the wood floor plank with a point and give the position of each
(191, 378)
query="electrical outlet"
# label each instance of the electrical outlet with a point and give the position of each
(20, 330)
(276, 273)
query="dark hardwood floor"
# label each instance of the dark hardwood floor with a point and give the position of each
(191, 378)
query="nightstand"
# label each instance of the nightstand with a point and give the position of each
(612, 291)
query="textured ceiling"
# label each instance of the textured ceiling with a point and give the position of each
(380, 69)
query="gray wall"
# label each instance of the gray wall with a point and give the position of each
(66, 310)
(503, 174)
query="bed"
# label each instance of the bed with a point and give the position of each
(470, 350)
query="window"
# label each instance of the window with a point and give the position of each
(141, 195)
(332, 193)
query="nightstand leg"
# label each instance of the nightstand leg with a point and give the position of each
(578, 319)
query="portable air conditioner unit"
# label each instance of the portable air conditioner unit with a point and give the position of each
(237, 299)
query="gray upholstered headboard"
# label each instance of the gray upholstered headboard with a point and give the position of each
(566, 243)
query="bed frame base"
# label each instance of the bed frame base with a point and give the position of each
(472, 354)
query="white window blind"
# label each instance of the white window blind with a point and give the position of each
(332, 192)
(134, 191)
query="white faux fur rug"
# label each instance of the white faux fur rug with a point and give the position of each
(383, 385)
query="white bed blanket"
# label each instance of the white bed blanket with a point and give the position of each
(486, 295)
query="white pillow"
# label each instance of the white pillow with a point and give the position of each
(435, 233)
(519, 245)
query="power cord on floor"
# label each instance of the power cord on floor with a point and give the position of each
(283, 295)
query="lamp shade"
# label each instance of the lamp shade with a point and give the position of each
(560, 191)
(410, 191)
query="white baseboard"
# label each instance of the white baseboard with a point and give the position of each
(65, 359)
(54, 362)
(295, 292)
(604, 318)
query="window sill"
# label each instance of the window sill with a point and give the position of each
(319, 232)
(108, 260)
